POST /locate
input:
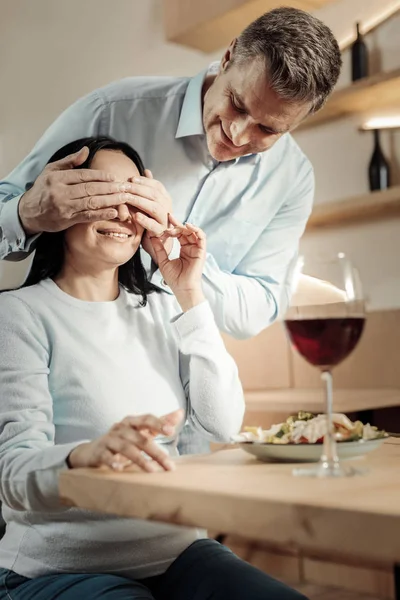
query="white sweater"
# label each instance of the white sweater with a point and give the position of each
(69, 370)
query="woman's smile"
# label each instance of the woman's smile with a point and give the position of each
(119, 234)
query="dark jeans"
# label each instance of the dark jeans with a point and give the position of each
(205, 571)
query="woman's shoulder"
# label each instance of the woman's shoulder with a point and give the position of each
(21, 300)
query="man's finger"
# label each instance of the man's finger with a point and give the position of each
(148, 182)
(148, 192)
(149, 224)
(91, 216)
(71, 161)
(73, 176)
(97, 202)
(95, 188)
(150, 207)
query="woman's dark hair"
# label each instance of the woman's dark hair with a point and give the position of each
(50, 249)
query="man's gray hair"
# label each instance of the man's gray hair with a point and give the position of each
(302, 56)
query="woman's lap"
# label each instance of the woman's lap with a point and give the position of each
(205, 571)
(83, 586)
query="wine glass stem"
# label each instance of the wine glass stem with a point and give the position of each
(329, 458)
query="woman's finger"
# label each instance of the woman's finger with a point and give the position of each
(118, 445)
(149, 422)
(107, 458)
(174, 221)
(119, 463)
(160, 251)
(199, 232)
(158, 455)
(173, 418)
(120, 442)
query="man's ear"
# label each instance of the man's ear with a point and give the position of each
(227, 58)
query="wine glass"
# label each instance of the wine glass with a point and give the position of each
(325, 320)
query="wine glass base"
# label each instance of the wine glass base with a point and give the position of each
(327, 471)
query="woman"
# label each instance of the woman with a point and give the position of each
(98, 369)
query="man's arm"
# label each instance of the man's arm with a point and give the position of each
(79, 120)
(248, 300)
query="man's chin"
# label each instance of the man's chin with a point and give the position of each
(222, 153)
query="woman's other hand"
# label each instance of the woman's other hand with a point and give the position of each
(131, 441)
(183, 274)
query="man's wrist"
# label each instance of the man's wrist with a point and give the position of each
(189, 298)
(28, 227)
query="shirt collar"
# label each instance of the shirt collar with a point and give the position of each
(191, 117)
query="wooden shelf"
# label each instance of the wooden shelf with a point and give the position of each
(371, 93)
(292, 400)
(210, 25)
(375, 205)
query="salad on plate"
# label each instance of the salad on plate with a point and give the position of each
(307, 428)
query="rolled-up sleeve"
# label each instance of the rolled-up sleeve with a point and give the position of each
(248, 300)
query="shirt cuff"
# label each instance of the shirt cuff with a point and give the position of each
(12, 228)
(197, 318)
(53, 461)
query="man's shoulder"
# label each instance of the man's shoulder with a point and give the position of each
(140, 88)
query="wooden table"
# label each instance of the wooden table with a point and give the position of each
(291, 400)
(231, 492)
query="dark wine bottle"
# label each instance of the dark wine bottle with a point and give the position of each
(359, 57)
(379, 168)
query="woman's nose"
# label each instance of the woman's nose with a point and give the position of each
(123, 213)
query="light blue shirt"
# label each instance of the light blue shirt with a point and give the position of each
(253, 209)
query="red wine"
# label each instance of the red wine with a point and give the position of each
(325, 342)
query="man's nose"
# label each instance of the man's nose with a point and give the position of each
(240, 132)
(123, 213)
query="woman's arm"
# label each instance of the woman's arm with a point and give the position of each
(208, 372)
(209, 376)
(29, 459)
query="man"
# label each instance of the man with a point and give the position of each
(206, 139)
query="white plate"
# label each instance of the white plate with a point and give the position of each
(307, 452)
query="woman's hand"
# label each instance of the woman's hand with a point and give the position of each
(126, 442)
(183, 275)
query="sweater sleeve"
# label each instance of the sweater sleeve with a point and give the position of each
(209, 375)
(29, 459)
